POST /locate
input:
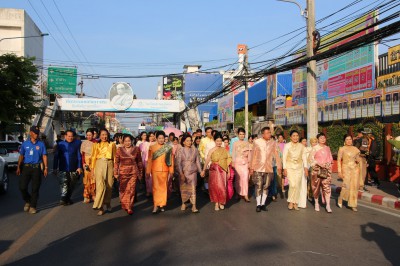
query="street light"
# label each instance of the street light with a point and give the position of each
(312, 110)
(25, 37)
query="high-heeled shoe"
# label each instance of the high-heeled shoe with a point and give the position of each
(316, 207)
(296, 207)
(354, 209)
(100, 212)
(183, 207)
(216, 207)
(328, 209)
(130, 212)
(155, 210)
(340, 205)
(290, 206)
(221, 206)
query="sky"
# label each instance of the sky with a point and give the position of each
(131, 37)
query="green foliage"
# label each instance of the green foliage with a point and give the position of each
(335, 134)
(240, 120)
(396, 130)
(211, 123)
(17, 77)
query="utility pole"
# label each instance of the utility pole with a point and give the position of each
(312, 110)
(246, 101)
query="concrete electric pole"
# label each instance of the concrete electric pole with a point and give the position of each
(312, 110)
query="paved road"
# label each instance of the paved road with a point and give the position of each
(74, 235)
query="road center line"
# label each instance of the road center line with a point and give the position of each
(20, 242)
(379, 210)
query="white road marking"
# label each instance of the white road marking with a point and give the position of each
(380, 210)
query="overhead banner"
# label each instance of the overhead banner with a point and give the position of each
(137, 106)
(173, 88)
(225, 109)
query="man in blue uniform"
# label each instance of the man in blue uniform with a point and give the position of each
(32, 155)
(68, 165)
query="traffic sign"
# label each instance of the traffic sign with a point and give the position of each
(61, 80)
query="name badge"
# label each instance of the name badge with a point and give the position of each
(31, 153)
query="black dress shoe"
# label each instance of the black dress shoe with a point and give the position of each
(63, 203)
(264, 208)
(258, 209)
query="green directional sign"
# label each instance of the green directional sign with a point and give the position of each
(61, 80)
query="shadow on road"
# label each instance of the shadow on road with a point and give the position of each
(386, 238)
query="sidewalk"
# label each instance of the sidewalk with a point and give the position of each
(387, 195)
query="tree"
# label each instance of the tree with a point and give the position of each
(240, 120)
(17, 102)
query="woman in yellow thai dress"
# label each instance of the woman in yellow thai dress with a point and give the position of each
(219, 171)
(349, 170)
(102, 163)
(160, 165)
(89, 182)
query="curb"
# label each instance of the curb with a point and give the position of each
(376, 199)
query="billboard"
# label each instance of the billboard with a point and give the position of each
(225, 109)
(173, 87)
(198, 86)
(351, 72)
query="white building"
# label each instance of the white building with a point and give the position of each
(15, 26)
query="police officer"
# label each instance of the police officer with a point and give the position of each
(32, 155)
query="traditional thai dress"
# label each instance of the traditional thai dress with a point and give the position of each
(294, 161)
(309, 187)
(89, 182)
(102, 161)
(219, 170)
(187, 162)
(160, 163)
(128, 166)
(321, 156)
(202, 148)
(144, 150)
(241, 153)
(349, 165)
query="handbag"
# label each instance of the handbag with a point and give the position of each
(322, 173)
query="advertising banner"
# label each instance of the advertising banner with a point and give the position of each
(225, 109)
(351, 72)
(394, 55)
(173, 88)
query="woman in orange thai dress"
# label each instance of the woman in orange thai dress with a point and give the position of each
(160, 165)
(128, 167)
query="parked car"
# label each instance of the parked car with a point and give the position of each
(4, 181)
(12, 155)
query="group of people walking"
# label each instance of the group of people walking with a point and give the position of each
(166, 163)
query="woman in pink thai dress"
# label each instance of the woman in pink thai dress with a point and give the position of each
(144, 150)
(321, 159)
(240, 158)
